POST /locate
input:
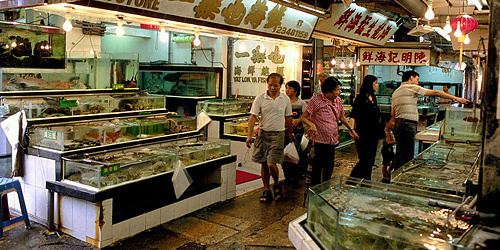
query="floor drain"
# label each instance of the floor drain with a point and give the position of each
(192, 246)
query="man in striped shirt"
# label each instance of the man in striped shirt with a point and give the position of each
(405, 113)
(322, 113)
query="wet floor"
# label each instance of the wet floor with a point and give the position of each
(241, 223)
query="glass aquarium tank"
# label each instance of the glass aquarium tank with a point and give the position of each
(44, 81)
(462, 125)
(238, 126)
(79, 135)
(443, 167)
(353, 214)
(106, 170)
(181, 81)
(225, 106)
(58, 106)
(31, 46)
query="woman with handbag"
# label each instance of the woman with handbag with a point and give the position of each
(365, 118)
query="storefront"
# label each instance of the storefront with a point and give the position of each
(98, 145)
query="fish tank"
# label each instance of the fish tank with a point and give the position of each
(31, 46)
(181, 81)
(225, 106)
(80, 135)
(462, 125)
(444, 167)
(237, 126)
(346, 213)
(44, 81)
(106, 170)
(59, 106)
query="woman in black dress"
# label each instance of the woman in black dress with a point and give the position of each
(366, 116)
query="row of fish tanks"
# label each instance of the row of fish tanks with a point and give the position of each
(105, 170)
(425, 206)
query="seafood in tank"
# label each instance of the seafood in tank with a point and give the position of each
(377, 216)
(443, 167)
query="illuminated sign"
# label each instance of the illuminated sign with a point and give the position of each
(393, 56)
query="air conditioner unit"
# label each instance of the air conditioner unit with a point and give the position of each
(420, 30)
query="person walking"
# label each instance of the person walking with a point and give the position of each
(322, 113)
(405, 114)
(275, 110)
(365, 119)
(293, 172)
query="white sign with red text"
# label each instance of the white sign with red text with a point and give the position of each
(393, 56)
(357, 23)
(250, 16)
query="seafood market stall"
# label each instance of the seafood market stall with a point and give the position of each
(109, 144)
(353, 214)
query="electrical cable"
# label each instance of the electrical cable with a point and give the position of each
(210, 61)
(74, 45)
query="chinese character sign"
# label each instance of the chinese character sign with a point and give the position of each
(356, 23)
(253, 61)
(248, 15)
(393, 56)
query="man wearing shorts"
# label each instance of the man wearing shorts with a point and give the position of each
(275, 110)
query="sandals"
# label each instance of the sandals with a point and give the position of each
(278, 192)
(267, 196)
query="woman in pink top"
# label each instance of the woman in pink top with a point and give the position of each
(323, 112)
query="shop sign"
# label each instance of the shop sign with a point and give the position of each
(357, 23)
(393, 56)
(254, 61)
(66, 104)
(50, 135)
(255, 17)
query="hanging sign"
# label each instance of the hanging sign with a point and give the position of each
(393, 56)
(249, 16)
(356, 23)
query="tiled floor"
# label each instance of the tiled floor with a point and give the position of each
(241, 223)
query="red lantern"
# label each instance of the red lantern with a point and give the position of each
(467, 23)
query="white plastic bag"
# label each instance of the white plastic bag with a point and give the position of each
(291, 154)
(304, 142)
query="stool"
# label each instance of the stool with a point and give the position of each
(8, 185)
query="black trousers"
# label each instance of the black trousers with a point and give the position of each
(367, 150)
(323, 162)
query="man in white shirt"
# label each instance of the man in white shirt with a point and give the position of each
(275, 110)
(405, 113)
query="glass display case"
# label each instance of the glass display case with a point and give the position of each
(462, 125)
(225, 106)
(31, 46)
(58, 106)
(78, 135)
(180, 81)
(443, 167)
(105, 170)
(343, 215)
(43, 81)
(238, 127)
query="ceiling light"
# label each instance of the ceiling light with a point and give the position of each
(196, 41)
(429, 14)
(358, 63)
(333, 61)
(458, 32)
(342, 65)
(447, 27)
(467, 39)
(67, 26)
(351, 65)
(119, 28)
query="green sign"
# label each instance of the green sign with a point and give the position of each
(66, 104)
(118, 86)
(109, 169)
(50, 134)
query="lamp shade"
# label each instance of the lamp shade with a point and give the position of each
(467, 23)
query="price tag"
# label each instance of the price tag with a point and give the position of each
(66, 104)
(50, 135)
(112, 168)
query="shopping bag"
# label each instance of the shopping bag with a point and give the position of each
(181, 179)
(291, 154)
(303, 143)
